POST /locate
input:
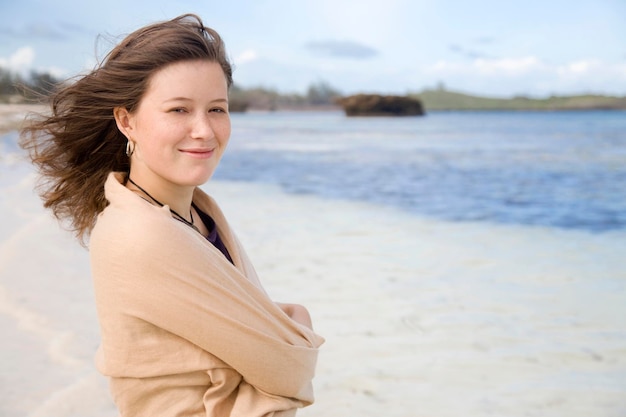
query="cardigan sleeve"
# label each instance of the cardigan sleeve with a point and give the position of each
(166, 274)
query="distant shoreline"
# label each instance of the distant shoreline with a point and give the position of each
(12, 115)
(441, 99)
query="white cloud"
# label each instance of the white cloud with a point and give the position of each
(483, 66)
(529, 75)
(20, 61)
(56, 72)
(342, 49)
(508, 66)
(246, 56)
(579, 67)
(592, 76)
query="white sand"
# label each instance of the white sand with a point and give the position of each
(422, 318)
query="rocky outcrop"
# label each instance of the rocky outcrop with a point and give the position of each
(379, 105)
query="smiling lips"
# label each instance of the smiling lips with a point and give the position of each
(200, 153)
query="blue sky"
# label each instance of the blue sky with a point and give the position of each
(487, 47)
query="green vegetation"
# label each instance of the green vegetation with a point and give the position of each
(322, 96)
(441, 99)
(16, 89)
(319, 96)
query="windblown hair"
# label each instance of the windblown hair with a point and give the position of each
(78, 144)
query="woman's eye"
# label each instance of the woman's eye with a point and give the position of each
(218, 110)
(178, 110)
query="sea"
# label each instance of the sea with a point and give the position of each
(555, 169)
(562, 169)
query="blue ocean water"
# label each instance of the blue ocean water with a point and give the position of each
(555, 169)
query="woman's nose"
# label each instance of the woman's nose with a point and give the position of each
(202, 126)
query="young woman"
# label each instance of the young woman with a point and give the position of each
(186, 327)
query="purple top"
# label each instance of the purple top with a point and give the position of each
(213, 236)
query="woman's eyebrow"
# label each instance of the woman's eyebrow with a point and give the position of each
(217, 100)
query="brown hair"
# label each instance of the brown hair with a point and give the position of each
(78, 144)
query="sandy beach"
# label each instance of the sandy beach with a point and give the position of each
(12, 115)
(421, 317)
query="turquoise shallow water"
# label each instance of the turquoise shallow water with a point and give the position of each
(556, 169)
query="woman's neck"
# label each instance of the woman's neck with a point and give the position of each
(177, 198)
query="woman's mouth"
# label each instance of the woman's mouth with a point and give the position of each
(200, 153)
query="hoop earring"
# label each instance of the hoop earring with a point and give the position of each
(130, 149)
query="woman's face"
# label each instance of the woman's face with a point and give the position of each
(181, 126)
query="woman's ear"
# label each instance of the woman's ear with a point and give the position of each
(123, 120)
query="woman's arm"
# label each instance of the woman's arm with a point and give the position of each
(298, 313)
(161, 276)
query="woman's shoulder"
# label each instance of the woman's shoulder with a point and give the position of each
(128, 219)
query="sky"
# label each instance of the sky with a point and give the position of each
(492, 48)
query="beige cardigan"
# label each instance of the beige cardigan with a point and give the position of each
(184, 332)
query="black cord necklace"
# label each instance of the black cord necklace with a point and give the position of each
(176, 215)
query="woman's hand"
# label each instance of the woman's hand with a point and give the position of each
(297, 313)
